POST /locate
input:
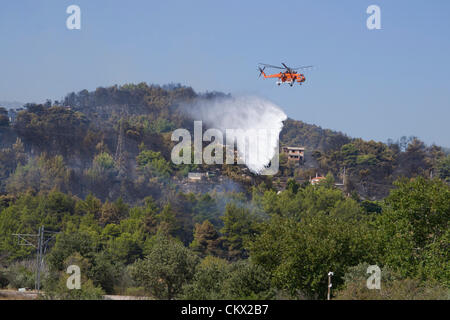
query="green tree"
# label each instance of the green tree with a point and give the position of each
(68, 243)
(167, 267)
(414, 221)
(292, 186)
(114, 212)
(299, 254)
(435, 264)
(208, 281)
(218, 279)
(55, 285)
(444, 168)
(239, 226)
(205, 208)
(414, 224)
(105, 271)
(102, 174)
(41, 174)
(349, 153)
(247, 281)
(207, 240)
(4, 119)
(154, 164)
(167, 221)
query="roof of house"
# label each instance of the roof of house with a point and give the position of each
(294, 148)
(195, 175)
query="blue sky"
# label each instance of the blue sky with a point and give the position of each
(374, 84)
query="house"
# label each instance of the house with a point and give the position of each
(296, 154)
(317, 180)
(12, 115)
(195, 176)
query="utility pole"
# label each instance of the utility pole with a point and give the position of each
(343, 178)
(39, 259)
(120, 157)
(330, 274)
(40, 242)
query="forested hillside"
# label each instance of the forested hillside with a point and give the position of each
(370, 167)
(96, 168)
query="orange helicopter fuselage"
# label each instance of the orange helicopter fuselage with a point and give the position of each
(287, 76)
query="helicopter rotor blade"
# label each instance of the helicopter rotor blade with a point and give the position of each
(303, 68)
(290, 70)
(270, 66)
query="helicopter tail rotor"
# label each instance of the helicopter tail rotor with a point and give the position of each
(261, 71)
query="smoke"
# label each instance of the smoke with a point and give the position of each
(261, 119)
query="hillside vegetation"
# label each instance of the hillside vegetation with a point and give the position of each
(96, 168)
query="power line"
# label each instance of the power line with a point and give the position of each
(39, 241)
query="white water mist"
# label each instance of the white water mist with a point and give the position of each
(249, 113)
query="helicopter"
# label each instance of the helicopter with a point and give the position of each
(289, 76)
